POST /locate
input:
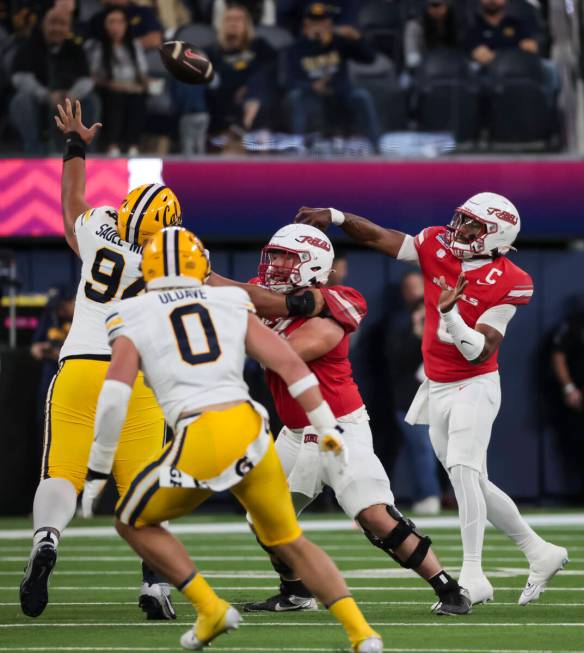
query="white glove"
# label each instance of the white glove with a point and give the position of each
(331, 441)
(92, 490)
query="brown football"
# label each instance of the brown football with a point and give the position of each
(186, 63)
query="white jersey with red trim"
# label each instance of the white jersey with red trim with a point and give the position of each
(495, 283)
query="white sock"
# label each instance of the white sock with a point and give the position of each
(472, 512)
(504, 515)
(54, 505)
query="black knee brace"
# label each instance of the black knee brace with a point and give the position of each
(405, 527)
(280, 567)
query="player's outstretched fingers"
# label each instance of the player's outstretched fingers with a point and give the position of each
(78, 110)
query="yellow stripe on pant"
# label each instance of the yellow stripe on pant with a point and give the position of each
(204, 449)
(69, 424)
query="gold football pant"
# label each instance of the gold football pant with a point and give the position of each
(69, 421)
(204, 449)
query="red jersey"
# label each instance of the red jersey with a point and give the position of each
(497, 282)
(347, 307)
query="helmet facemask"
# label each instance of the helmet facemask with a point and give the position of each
(466, 233)
(279, 268)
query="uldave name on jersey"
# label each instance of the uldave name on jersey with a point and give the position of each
(177, 295)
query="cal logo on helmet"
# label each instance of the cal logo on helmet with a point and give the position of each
(146, 210)
(175, 252)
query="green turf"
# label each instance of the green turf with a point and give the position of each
(94, 588)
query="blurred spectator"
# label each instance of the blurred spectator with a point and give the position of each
(119, 68)
(437, 28)
(319, 80)
(243, 63)
(290, 14)
(568, 361)
(142, 21)
(48, 66)
(193, 118)
(173, 14)
(261, 11)
(407, 370)
(494, 29)
(53, 327)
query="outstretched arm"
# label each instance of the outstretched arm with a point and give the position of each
(77, 137)
(360, 229)
(274, 353)
(110, 415)
(270, 304)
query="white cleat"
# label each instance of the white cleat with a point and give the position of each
(370, 645)
(230, 621)
(479, 589)
(542, 570)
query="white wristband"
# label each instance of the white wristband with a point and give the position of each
(337, 217)
(298, 387)
(569, 388)
(470, 343)
(322, 417)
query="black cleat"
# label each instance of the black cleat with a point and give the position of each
(156, 603)
(454, 603)
(34, 593)
(282, 603)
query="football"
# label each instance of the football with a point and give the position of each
(186, 63)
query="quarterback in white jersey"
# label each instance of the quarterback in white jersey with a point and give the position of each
(191, 340)
(109, 244)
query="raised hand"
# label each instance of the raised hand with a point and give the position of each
(71, 121)
(449, 296)
(320, 218)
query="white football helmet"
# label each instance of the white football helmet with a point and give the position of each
(311, 267)
(500, 223)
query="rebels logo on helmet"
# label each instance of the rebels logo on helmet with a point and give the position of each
(315, 242)
(503, 215)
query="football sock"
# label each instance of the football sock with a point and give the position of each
(200, 594)
(504, 515)
(443, 583)
(54, 504)
(151, 577)
(294, 587)
(472, 513)
(352, 619)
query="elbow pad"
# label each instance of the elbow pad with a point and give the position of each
(110, 415)
(470, 343)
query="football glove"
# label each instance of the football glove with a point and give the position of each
(92, 491)
(332, 442)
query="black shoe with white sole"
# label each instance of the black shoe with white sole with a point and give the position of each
(282, 603)
(155, 601)
(457, 602)
(34, 592)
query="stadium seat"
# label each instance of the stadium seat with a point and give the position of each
(158, 107)
(278, 37)
(198, 34)
(447, 96)
(382, 24)
(521, 105)
(381, 80)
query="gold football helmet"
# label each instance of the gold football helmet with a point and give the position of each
(146, 210)
(175, 252)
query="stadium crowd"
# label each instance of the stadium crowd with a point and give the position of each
(289, 76)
